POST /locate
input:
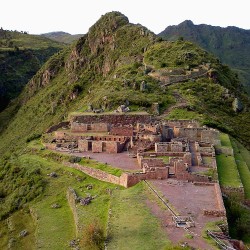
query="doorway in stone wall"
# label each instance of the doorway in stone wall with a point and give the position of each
(104, 147)
(90, 146)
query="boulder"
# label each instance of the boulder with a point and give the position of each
(23, 233)
(237, 105)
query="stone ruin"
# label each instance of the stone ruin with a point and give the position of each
(170, 149)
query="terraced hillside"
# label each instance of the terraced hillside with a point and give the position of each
(115, 64)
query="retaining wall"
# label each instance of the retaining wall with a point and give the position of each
(123, 119)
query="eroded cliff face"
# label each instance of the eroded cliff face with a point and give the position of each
(102, 33)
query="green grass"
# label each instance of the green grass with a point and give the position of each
(102, 166)
(206, 160)
(212, 226)
(183, 114)
(132, 226)
(242, 168)
(55, 227)
(11, 228)
(244, 153)
(225, 140)
(228, 171)
(164, 158)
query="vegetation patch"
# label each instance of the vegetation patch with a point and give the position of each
(238, 218)
(228, 171)
(242, 168)
(225, 140)
(141, 229)
(18, 231)
(183, 114)
(102, 166)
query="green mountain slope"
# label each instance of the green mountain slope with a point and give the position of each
(21, 55)
(230, 44)
(106, 68)
(114, 63)
(62, 37)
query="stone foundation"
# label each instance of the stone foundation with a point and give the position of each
(122, 119)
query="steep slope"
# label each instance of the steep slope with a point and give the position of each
(62, 37)
(109, 66)
(115, 63)
(230, 44)
(21, 55)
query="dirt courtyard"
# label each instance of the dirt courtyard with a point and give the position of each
(186, 199)
(121, 160)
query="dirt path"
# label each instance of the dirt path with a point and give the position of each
(180, 103)
(187, 200)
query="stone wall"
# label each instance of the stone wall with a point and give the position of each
(97, 146)
(224, 150)
(131, 179)
(57, 126)
(99, 127)
(88, 127)
(78, 127)
(198, 134)
(123, 119)
(153, 162)
(72, 197)
(96, 173)
(182, 123)
(59, 135)
(162, 147)
(211, 135)
(155, 154)
(239, 192)
(218, 193)
(169, 146)
(50, 146)
(123, 131)
(214, 212)
(126, 179)
(220, 211)
(192, 177)
(83, 145)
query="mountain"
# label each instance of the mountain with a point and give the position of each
(106, 67)
(21, 55)
(62, 37)
(231, 45)
(116, 63)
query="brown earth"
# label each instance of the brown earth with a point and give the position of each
(186, 199)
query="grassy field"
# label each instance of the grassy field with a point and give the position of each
(228, 171)
(226, 166)
(244, 153)
(104, 167)
(242, 166)
(54, 228)
(10, 231)
(132, 226)
(35, 144)
(225, 140)
(179, 113)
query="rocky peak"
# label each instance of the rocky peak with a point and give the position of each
(102, 32)
(187, 23)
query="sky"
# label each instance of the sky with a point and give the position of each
(77, 16)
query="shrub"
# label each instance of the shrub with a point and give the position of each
(33, 137)
(93, 236)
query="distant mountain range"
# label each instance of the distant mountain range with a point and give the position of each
(21, 56)
(116, 64)
(231, 45)
(62, 37)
